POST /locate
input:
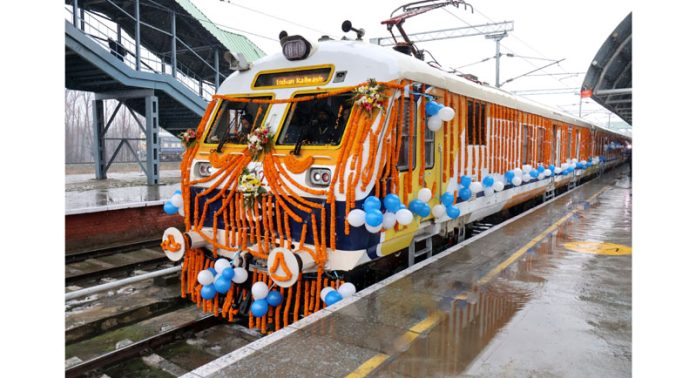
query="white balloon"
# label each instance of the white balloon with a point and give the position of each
(518, 172)
(574, 161)
(564, 166)
(221, 264)
(526, 168)
(547, 172)
(498, 186)
(373, 230)
(476, 187)
(425, 195)
(356, 217)
(240, 275)
(434, 123)
(516, 181)
(541, 176)
(325, 291)
(439, 210)
(205, 277)
(584, 162)
(452, 185)
(557, 170)
(488, 191)
(346, 290)
(446, 113)
(181, 211)
(177, 200)
(388, 220)
(526, 177)
(404, 216)
(259, 290)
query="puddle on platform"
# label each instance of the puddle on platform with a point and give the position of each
(554, 312)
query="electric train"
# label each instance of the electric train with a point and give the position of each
(326, 157)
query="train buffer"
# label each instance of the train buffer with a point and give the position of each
(544, 292)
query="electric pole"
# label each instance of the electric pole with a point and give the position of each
(497, 38)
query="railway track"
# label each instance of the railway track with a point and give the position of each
(114, 262)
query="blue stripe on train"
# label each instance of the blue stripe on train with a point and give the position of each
(359, 237)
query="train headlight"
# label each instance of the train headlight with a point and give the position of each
(320, 176)
(204, 169)
(295, 47)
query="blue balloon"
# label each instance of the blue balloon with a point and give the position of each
(228, 274)
(208, 292)
(170, 209)
(447, 198)
(222, 285)
(415, 205)
(488, 181)
(212, 270)
(432, 108)
(452, 212)
(274, 298)
(259, 307)
(534, 174)
(371, 203)
(464, 194)
(424, 211)
(373, 217)
(402, 206)
(509, 175)
(552, 168)
(332, 297)
(392, 202)
(465, 182)
(177, 191)
(540, 168)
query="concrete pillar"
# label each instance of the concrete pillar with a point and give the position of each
(152, 139)
(75, 16)
(217, 70)
(99, 142)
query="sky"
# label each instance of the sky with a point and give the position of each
(544, 31)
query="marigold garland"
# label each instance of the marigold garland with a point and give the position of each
(297, 166)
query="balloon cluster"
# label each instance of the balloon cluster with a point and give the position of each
(446, 207)
(330, 295)
(263, 298)
(419, 206)
(437, 113)
(464, 191)
(219, 278)
(175, 204)
(374, 220)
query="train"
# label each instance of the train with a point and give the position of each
(333, 155)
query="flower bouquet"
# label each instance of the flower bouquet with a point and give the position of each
(188, 137)
(370, 97)
(257, 140)
(250, 187)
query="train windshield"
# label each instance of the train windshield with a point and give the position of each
(234, 121)
(317, 122)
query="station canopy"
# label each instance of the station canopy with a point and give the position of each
(609, 79)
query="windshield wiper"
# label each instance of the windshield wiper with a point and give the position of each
(224, 138)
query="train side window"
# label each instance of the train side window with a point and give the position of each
(540, 144)
(429, 148)
(475, 123)
(570, 140)
(406, 147)
(525, 143)
(577, 145)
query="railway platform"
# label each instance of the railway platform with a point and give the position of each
(547, 293)
(121, 209)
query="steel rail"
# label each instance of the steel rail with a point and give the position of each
(111, 285)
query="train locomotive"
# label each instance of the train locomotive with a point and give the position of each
(332, 155)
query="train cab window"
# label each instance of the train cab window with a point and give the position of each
(407, 147)
(476, 123)
(234, 120)
(317, 122)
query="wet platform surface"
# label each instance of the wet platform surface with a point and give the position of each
(545, 295)
(83, 193)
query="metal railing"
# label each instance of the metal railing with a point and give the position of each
(106, 33)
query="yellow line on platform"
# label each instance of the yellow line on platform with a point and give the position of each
(368, 366)
(432, 320)
(484, 280)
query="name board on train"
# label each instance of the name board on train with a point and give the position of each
(299, 78)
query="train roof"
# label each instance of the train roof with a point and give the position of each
(362, 60)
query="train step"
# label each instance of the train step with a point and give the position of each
(427, 250)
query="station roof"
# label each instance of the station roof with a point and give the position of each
(192, 28)
(609, 77)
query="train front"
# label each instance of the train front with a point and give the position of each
(282, 155)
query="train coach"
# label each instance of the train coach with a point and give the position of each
(329, 156)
